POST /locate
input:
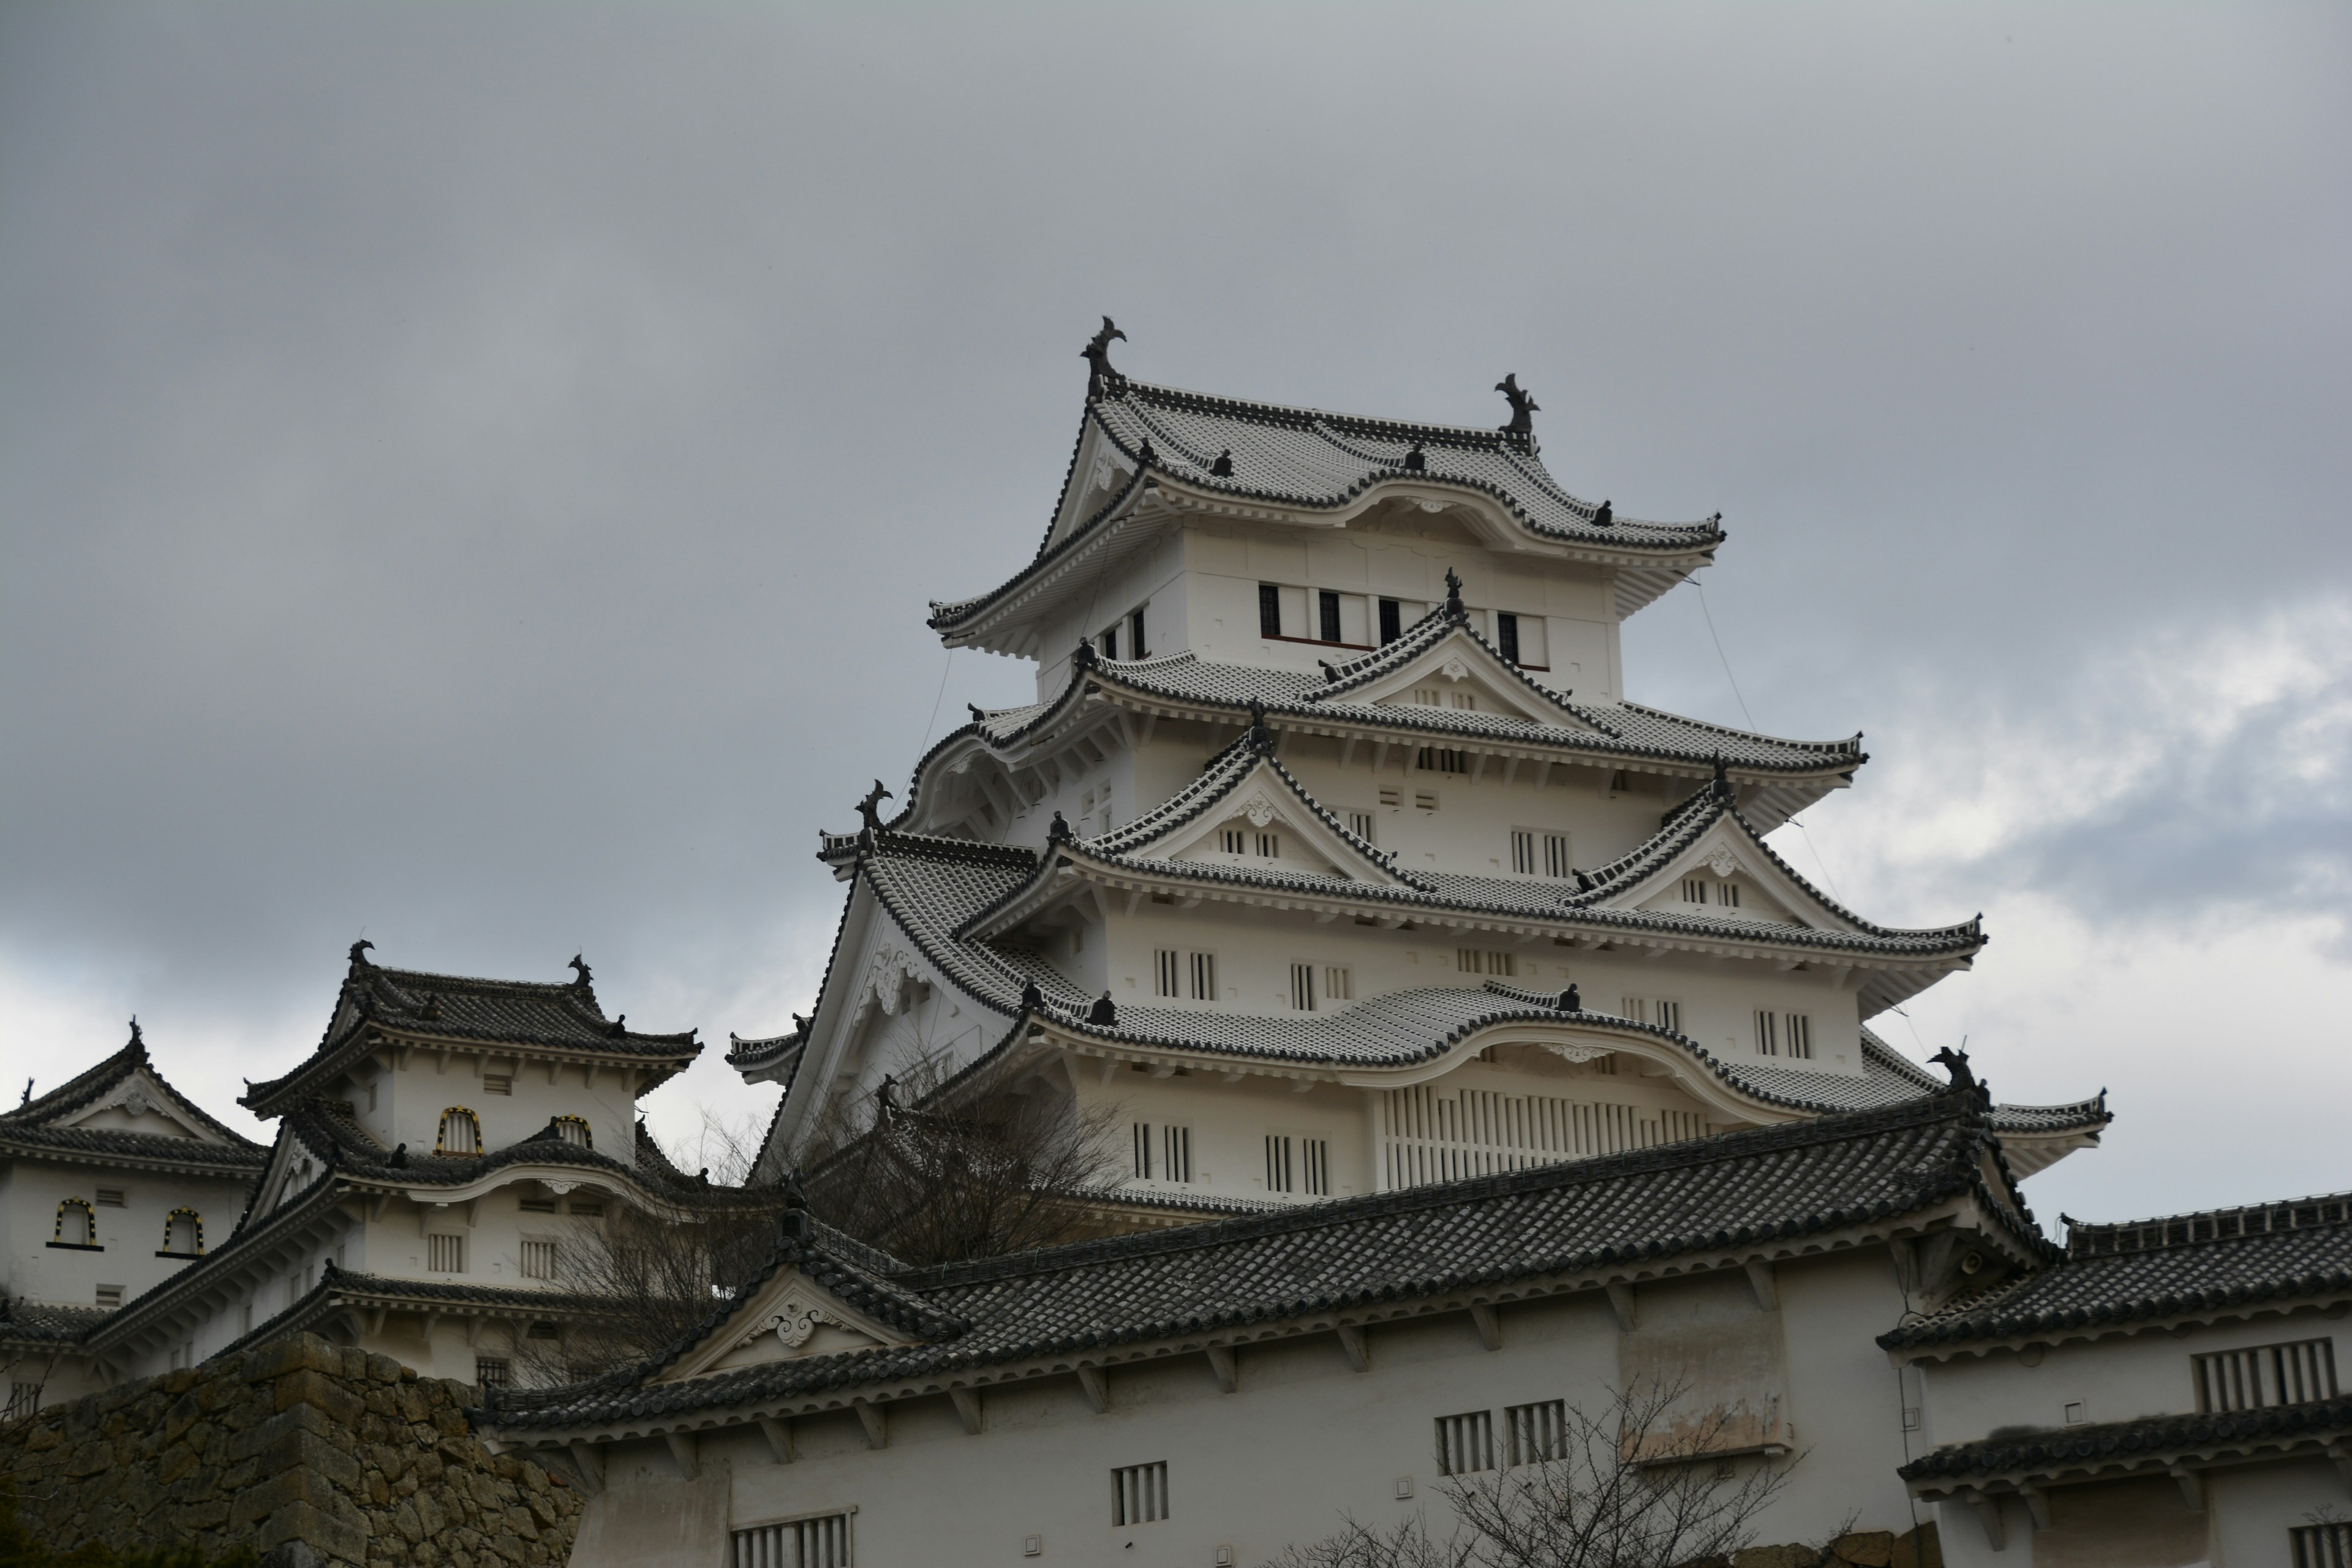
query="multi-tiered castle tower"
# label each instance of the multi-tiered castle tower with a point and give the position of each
(1332, 851)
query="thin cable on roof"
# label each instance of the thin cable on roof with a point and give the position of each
(932, 723)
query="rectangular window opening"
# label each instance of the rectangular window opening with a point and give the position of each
(1269, 610)
(1557, 863)
(1302, 987)
(1142, 1151)
(1465, 1443)
(2265, 1376)
(1204, 977)
(1135, 646)
(1360, 823)
(498, 1083)
(1269, 847)
(1138, 1494)
(1326, 604)
(1167, 968)
(1176, 1155)
(445, 1255)
(1339, 984)
(492, 1371)
(1392, 622)
(1506, 635)
(820, 1542)
(1797, 1033)
(1523, 851)
(538, 1261)
(1536, 1433)
(111, 1197)
(1442, 759)
(1767, 1033)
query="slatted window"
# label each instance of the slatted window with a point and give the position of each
(1176, 1155)
(445, 1255)
(112, 1198)
(498, 1083)
(574, 1129)
(1767, 1033)
(1392, 797)
(820, 1542)
(1442, 759)
(23, 1399)
(1797, 1034)
(1664, 1013)
(1302, 987)
(1432, 1135)
(1693, 889)
(1727, 894)
(1465, 1443)
(1360, 823)
(1294, 1164)
(1315, 1167)
(1142, 1147)
(536, 1205)
(2266, 1376)
(460, 1133)
(1557, 861)
(1167, 973)
(1536, 1433)
(1506, 635)
(492, 1371)
(1339, 984)
(1465, 699)
(1523, 851)
(2321, 1545)
(1269, 847)
(1485, 960)
(1235, 840)
(1424, 800)
(585, 1208)
(1138, 1494)
(1204, 977)
(1269, 610)
(110, 1297)
(538, 1259)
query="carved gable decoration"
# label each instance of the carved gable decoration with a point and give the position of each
(892, 981)
(139, 1104)
(791, 1317)
(1263, 812)
(1460, 673)
(1732, 878)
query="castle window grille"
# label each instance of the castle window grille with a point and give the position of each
(1269, 610)
(1204, 977)
(492, 1371)
(1429, 1134)
(1392, 622)
(1360, 823)
(1168, 971)
(1558, 864)
(183, 1234)
(1269, 846)
(1797, 1034)
(1506, 635)
(1485, 960)
(110, 1297)
(1109, 641)
(2266, 1376)
(1693, 889)
(1135, 648)
(1138, 1494)
(493, 1083)
(1392, 797)
(1523, 851)
(1314, 1166)
(1424, 800)
(1442, 759)
(445, 1255)
(1427, 697)
(1302, 987)
(1176, 1155)
(1727, 894)
(1279, 1174)
(574, 1129)
(1143, 1145)
(2321, 1545)
(1465, 1443)
(539, 1259)
(1767, 1033)
(23, 1399)
(1536, 1433)
(1339, 984)
(461, 1133)
(1236, 840)
(820, 1542)
(113, 1198)
(1466, 699)
(77, 1225)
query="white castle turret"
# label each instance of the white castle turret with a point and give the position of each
(1332, 851)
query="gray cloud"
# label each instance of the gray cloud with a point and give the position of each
(475, 474)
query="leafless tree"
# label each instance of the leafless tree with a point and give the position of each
(959, 1181)
(1639, 1482)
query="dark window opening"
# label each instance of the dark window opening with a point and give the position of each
(1269, 610)
(1506, 635)
(1135, 648)
(1392, 619)
(1110, 642)
(1330, 604)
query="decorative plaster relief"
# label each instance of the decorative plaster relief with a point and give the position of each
(1576, 1053)
(1258, 809)
(1723, 862)
(1455, 668)
(793, 1321)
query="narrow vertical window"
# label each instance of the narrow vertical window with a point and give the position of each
(1269, 610)
(1143, 1150)
(1360, 823)
(820, 1542)
(1269, 847)
(1537, 1433)
(1670, 1015)
(1326, 604)
(1338, 985)
(1138, 1494)
(1768, 1034)
(1727, 895)
(1109, 641)
(461, 1133)
(1204, 977)
(1392, 622)
(1797, 1030)
(1506, 635)
(1523, 851)
(1302, 987)
(1176, 1154)
(1314, 1166)
(1166, 971)
(1465, 1443)
(1235, 839)
(1278, 1173)
(538, 1259)
(445, 1255)
(1693, 889)
(1135, 648)
(1557, 863)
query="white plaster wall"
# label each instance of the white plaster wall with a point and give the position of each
(2118, 1378)
(31, 1190)
(1305, 1441)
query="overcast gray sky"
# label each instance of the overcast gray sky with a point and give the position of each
(472, 475)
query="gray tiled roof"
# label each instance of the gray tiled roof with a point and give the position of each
(40, 1323)
(242, 1158)
(1759, 1186)
(1309, 459)
(354, 1152)
(2128, 1445)
(84, 1088)
(2181, 1266)
(465, 1007)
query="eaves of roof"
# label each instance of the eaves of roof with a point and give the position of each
(114, 1146)
(43, 1325)
(86, 1086)
(2159, 1442)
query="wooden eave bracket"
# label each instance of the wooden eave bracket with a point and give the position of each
(778, 1431)
(1620, 1302)
(967, 1408)
(1227, 1366)
(870, 1417)
(1095, 1385)
(682, 1453)
(1488, 1322)
(1355, 1347)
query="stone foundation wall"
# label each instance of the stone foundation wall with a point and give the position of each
(306, 1452)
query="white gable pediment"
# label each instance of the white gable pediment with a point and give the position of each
(1725, 856)
(139, 1104)
(789, 1318)
(1456, 672)
(1263, 804)
(1099, 472)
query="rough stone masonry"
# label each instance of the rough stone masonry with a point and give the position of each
(310, 1454)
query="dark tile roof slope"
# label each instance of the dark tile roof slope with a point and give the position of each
(2183, 1266)
(87, 1087)
(463, 1008)
(353, 1153)
(241, 1158)
(1758, 1187)
(2150, 1440)
(40, 1323)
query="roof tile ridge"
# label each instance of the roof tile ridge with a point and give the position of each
(1300, 417)
(1853, 743)
(84, 1086)
(2142, 1437)
(1690, 817)
(1013, 977)
(942, 847)
(1973, 927)
(946, 612)
(2341, 1202)
(1221, 774)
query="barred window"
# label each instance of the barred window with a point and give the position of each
(492, 1371)
(1138, 1494)
(1442, 759)
(2321, 1545)
(1234, 841)
(1176, 1154)
(538, 1259)
(77, 1225)
(2266, 1376)
(1485, 960)
(445, 1255)
(184, 1233)
(1142, 1147)
(1536, 1433)
(1523, 851)
(1693, 889)
(1302, 987)
(574, 1129)
(1339, 984)
(1465, 1443)
(1168, 971)
(822, 1542)
(1767, 1033)
(23, 1399)
(1135, 648)
(1798, 1032)
(461, 1133)
(495, 1083)
(1269, 847)
(1360, 823)
(1204, 977)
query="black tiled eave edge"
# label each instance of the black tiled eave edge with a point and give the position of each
(631, 1047)
(2148, 1441)
(1989, 1324)
(38, 1141)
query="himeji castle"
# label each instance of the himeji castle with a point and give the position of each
(1333, 852)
